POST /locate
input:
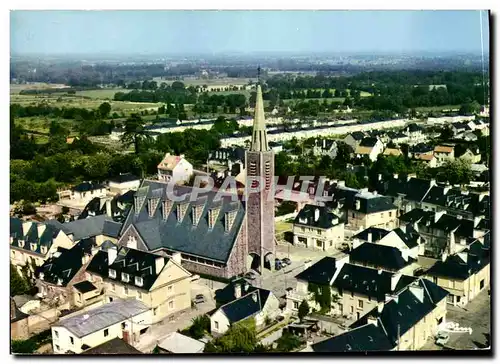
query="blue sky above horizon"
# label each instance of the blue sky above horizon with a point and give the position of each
(191, 31)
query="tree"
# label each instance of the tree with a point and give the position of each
(200, 326)
(23, 346)
(288, 342)
(134, 132)
(446, 134)
(303, 310)
(18, 284)
(104, 109)
(240, 338)
(458, 171)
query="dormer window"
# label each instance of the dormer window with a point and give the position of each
(212, 217)
(167, 207)
(125, 277)
(181, 211)
(138, 281)
(21, 243)
(59, 281)
(33, 246)
(11, 239)
(112, 273)
(43, 249)
(230, 216)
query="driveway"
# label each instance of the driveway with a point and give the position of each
(157, 333)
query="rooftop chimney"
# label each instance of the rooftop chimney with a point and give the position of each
(372, 320)
(108, 208)
(369, 237)
(112, 253)
(237, 290)
(177, 257)
(444, 256)
(432, 182)
(159, 264)
(389, 297)
(316, 214)
(403, 228)
(380, 307)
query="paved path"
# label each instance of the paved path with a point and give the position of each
(475, 315)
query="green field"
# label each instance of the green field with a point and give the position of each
(226, 81)
(107, 93)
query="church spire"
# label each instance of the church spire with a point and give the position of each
(259, 134)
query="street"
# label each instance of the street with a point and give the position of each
(475, 315)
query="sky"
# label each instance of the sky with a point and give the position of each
(190, 31)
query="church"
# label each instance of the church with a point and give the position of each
(216, 237)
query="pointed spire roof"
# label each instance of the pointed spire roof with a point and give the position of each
(259, 134)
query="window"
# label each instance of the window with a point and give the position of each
(79, 296)
(390, 213)
(369, 299)
(110, 299)
(123, 325)
(216, 325)
(353, 215)
(171, 305)
(125, 277)
(154, 311)
(58, 348)
(125, 290)
(352, 309)
(352, 294)
(169, 289)
(71, 340)
(296, 305)
(112, 287)
(138, 281)
(139, 295)
(106, 332)
(112, 273)
(56, 333)
(360, 304)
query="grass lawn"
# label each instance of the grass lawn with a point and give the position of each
(101, 94)
(15, 89)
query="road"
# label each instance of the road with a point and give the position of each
(157, 333)
(475, 315)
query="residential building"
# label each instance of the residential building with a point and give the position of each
(370, 209)
(316, 227)
(160, 283)
(256, 305)
(415, 133)
(176, 343)
(405, 321)
(396, 152)
(370, 147)
(464, 274)
(429, 160)
(444, 233)
(226, 156)
(124, 319)
(276, 147)
(324, 147)
(101, 228)
(472, 157)
(444, 153)
(174, 168)
(383, 257)
(83, 192)
(114, 346)
(32, 242)
(58, 275)
(235, 288)
(124, 182)
(354, 139)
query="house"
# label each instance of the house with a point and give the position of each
(322, 273)
(443, 233)
(116, 207)
(101, 228)
(429, 160)
(159, 282)
(316, 227)
(236, 287)
(324, 147)
(370, 209)
(415, 133)
(114, 346)
(404, 321)
(174, 168)
(83, 192)
(463, 274)
(256, 306)
(210, 234)
(277, 147)
(370, 147)
(472, 157)
(176, 343)
(444, 153)
(354, 139)
(415, 151)
(124, 319)
(383, 257)
(58, 275)
(392, 151)
(124, 182)
(226, 156)
(32, 242)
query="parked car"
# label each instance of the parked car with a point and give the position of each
(199, 299)
(250, 275)
(288, 261)
(278, 264)
(442, 338)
